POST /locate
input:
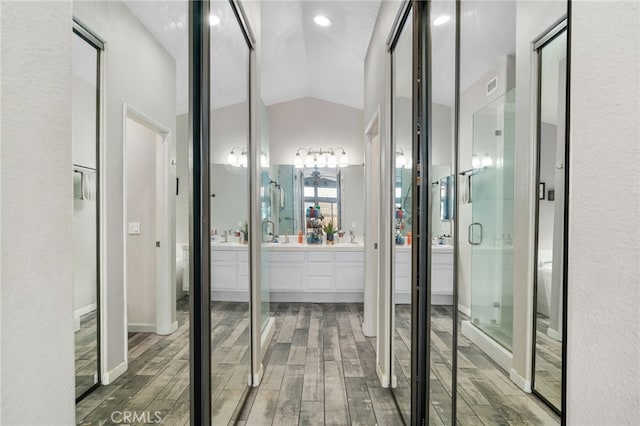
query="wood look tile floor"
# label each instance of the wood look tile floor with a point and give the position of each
(486, 395)
(86, 353)
(319, 369)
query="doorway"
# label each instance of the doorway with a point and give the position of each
(150, 293)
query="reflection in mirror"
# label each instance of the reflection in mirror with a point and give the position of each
(552, 207)
(85, 88)
(401, 318)
(229, 221)
(494, 189)
(442, 107)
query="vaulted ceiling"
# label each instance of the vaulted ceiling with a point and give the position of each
(299, 58)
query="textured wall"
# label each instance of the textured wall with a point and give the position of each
(37, 367)
(603, 337)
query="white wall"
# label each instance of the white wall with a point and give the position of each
(352, 198)
(142, 207)
(140, 72)
(603, 340)
(230, 204)
(311, 122)
(36, 325)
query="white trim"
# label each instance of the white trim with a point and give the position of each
(520, 381)
(553, 334)
(265, 338)
(165, 282)
(141, 328)
(384, 380)
(464, 310)
(500, 355)
(84, 310)
(111, 375)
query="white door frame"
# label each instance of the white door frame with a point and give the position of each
(165, 285)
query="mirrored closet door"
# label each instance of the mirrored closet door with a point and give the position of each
(402, 146)
(86, 51)
(551, 211)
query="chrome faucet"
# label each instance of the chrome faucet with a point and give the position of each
(267, 236)
(353, 236)
(225, 236)
(286, 236)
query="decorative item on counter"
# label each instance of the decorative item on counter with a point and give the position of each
(340, 236)
(314, 225)
(300, 239)
(245, 232)
(399, 239)
(330, 231)
(409, 238)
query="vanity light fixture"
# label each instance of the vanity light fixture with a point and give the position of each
(213, 20)
(322, 21)
(264, 162)
(475, 162)
(320, 158)
(441, 20)
(235, 159)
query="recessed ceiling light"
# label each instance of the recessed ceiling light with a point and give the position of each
(213, 20)
(442, 19)
(322, 20)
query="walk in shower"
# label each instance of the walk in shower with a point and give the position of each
(491, 232)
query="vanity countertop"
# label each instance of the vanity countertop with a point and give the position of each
(444, 249)
(234, 246)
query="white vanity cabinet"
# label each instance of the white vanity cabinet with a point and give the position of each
(316, 274)
(441, 275)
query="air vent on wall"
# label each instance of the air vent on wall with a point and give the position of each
(492, 85)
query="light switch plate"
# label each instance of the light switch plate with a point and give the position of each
(134, 228)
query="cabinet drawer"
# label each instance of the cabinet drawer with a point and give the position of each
(223, 256)
(349, 257)
(281, 256)
(318, 256)
(286, 277)
(320, 269)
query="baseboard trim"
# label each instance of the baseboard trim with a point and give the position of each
(384, 380)
(172, 328)
(85, 310)
(464, 310)
(553, 334)
(141, 328)
(317, 297)
(76, 324)
(503, 357)
(267, 335)
(520, 381)
(111, 375)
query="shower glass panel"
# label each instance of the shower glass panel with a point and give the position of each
(402, 137)
(491, 232)
(84, 139)
(549, 276)
(230, 247)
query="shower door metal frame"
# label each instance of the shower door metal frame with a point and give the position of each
(94, 41)
(558, 29)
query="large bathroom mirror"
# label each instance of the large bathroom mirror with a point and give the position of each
(229, 221)
(551, 211)
(442, 308)
(400, 226)
(86, 200)
(496, 198)
(289, 191)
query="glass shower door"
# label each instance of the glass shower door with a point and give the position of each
(491, 231)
